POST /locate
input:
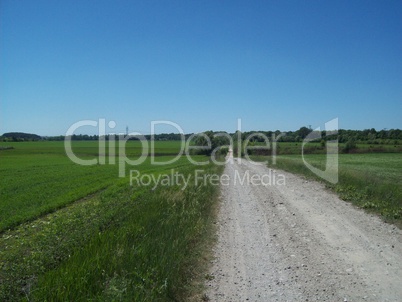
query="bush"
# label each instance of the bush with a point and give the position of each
(350, 145)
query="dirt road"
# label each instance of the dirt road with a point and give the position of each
(293, 240)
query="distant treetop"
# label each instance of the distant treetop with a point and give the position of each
(20, 136)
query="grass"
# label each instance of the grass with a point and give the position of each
(372, 181)
(115, 243)
(287, 148)
(37, 177)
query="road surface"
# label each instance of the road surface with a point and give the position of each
(293, 240)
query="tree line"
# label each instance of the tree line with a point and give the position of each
(368, 136)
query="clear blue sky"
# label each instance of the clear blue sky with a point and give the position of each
(201, 64)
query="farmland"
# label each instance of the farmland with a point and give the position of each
(287, 148)
(72, 232)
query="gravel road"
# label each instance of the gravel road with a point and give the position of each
(293, 240)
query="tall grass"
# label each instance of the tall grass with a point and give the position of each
(141, 259)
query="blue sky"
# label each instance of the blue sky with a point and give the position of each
(201, 64)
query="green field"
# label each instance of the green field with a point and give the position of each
(372, 181)
(72, 232)
(38, 177)
(76, 233)
(288, 148)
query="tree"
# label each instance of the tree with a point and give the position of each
(303, 132)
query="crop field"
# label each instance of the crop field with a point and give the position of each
(72, 232)
(286, 148)
(372, 181)
(38, 177)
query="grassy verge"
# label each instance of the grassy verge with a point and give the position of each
(369, 181)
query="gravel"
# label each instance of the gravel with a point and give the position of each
(293, 240)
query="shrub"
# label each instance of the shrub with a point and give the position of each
(350, 145)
